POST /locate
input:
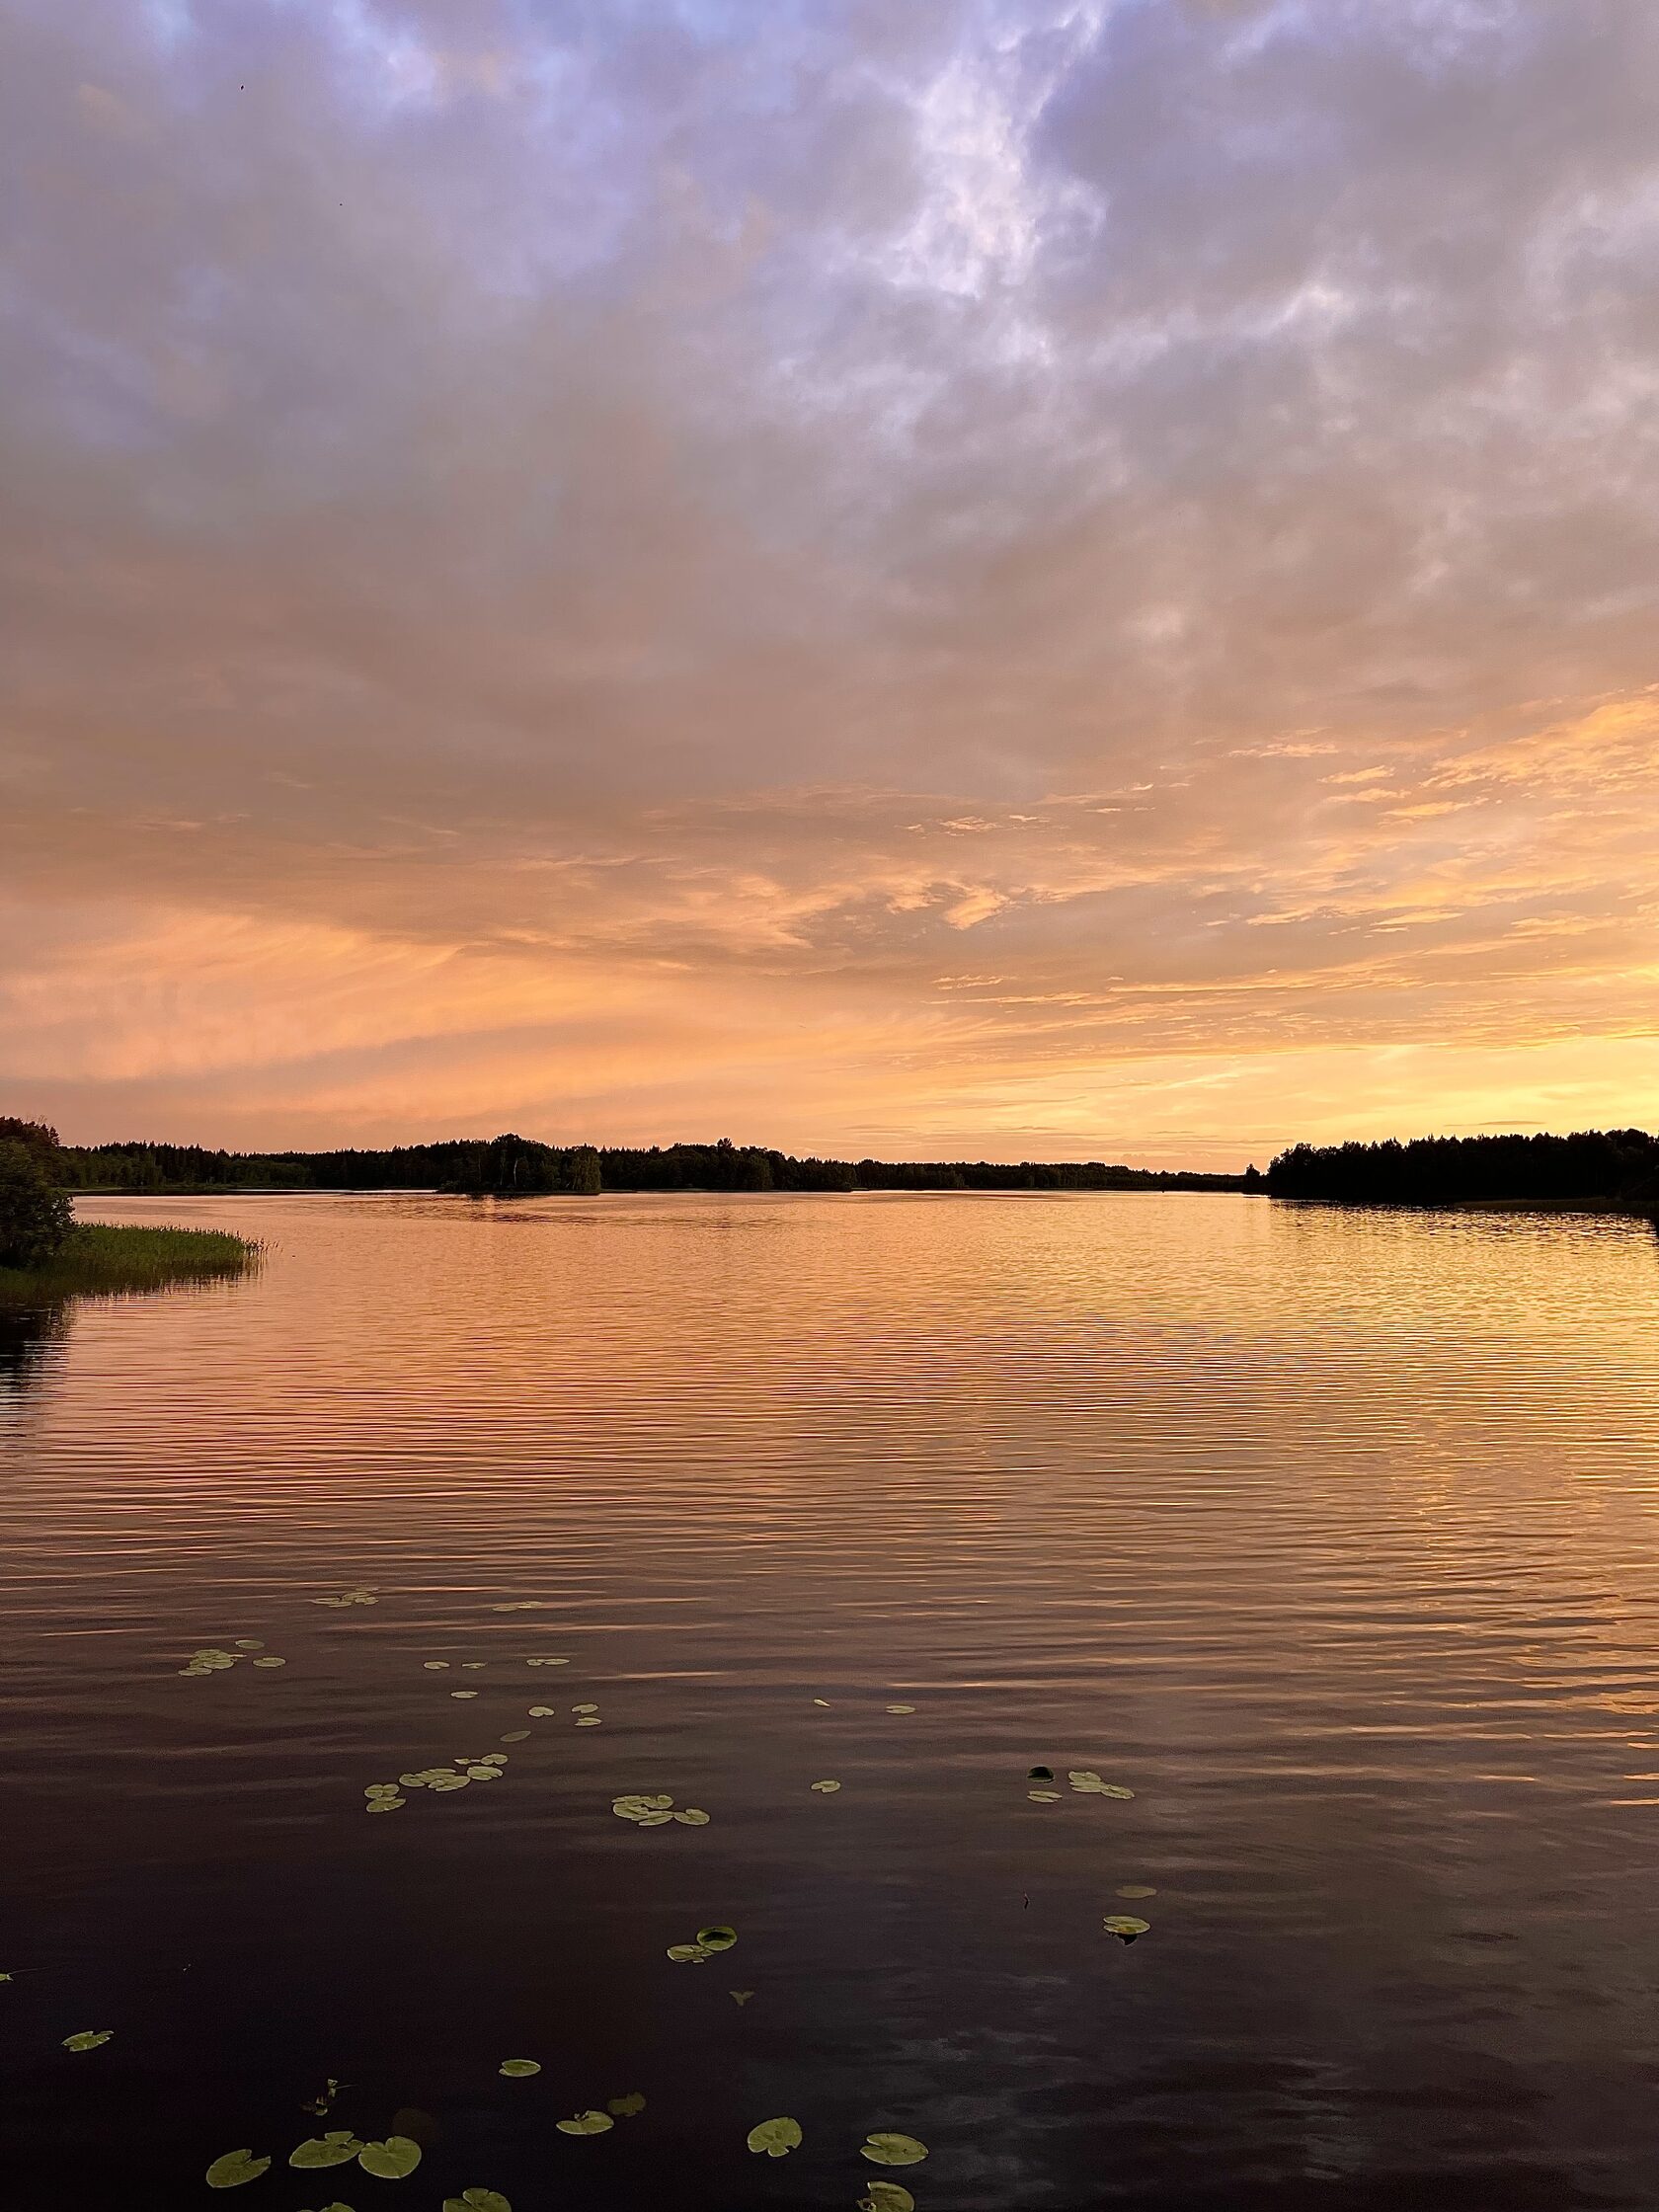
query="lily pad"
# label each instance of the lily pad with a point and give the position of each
(270, 1660)
(463, 1692)
(88, 2038)
(589, 1720)
(337, 2148)
(584, 1708)
(1124, 1927)
(1043, 1796)
(436, 1666)
(477, 2201)
(392, 2160)
(1136, 1889)
(447, 1782)
(685, 1954)
(692, 1817)
(249, 1644)
(901, 1709)
(776, 2137)
(385, 1805)
(586, 2123)
(483, 1774)
(544, 1713)
(659, 1817)
(826, 1788)
(717, 1938)
(519, 2069)
(547, 1662)
(625, 2107)
(894, 2149)
(235, 2168)
(517, 1736)
(821, 1701)
(887, 2196)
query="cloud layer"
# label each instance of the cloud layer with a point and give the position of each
(1025, 578)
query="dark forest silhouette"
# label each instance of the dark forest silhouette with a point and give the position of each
(1603, 1167)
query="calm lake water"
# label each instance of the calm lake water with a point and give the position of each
(1331, 1535)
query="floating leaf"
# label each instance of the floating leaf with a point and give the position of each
(477, 2201)
(626, 2106)
(687, 1953)
(474, 1666)
(547, 1662)
(436, 1666)
(517, 1736)
(658, 1818)
(519, 2069)
(692, 1817)
(88, 2039)
(777, 2138)
(901, 1709)
(463, 1692)
(544, 1713)
(740, 1996)
(887, 2196)
(337, 2148)
(826, 1788)
(1136, 1889)
(584, 1708)
(483, 1774)
(414, 1782)
(249, 1644)
(269, 1660)
(589, 1720)
(446, 1782)
(390, 2161)
(385, 1805)
(1043, 1796)
(586, 2123)
(381, 1790)
(821, 1701)
(492, 1759)
(235, 2168)
(894, 2149)
(1124, 1927)
(717, 1938)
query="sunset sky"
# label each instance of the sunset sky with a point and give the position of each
(1021, 578)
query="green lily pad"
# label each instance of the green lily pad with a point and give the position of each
(692, 1817)
(584, 1708)
(477, 2201)
(547, 1662)
(887, 2196)
(625, 2107)
(590, 1720)
(586, 2123)
(894, 2149)
(235, 2168)
(517, 1736)
(88, 2039)
(821, 1701)
(482, 1773)
(436, 1666)
(519, 2069)
(441, 1783)
(463, 1692)
(492, 1759)
(249, 1644)
(474, 1666)
(685, 1954)
(385, 1805)
(1043, 1796)
(901, 1709)
(717, 1938)
(776, 2137)
(390, 2161)
(826, 1788)
(544, 1713)
(1136, 1889)
(657, 1818)
(270, 1660)
(337, 2148)
(1124, 1927)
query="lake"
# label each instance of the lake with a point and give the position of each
(1331, 1535)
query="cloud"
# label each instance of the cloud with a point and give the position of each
(641, 531)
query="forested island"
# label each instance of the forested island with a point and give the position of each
(1616, 1168)
(521, 1166)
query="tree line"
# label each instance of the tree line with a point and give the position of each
(1614, 1166)
(511, 1165)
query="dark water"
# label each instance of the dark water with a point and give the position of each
(1332, 1536)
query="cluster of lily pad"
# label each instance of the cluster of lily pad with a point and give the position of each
(1083, 1779)
(775, 2139)
(601, 2123)
(710, 1941)
(386, 1796)
(392, 2160)
(356, 1597)
(657, 1812)
(211, 1660)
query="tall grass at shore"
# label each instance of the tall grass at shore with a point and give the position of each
(99, 1259)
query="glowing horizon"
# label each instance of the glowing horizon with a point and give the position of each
(1012, 578)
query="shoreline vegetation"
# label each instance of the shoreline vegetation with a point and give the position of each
(1605, 1171)
(97, 1260)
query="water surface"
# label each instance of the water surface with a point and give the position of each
(1330, 1535)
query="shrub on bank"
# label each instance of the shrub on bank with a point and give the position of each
(36, 1217)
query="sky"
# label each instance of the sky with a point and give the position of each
(1022, 579)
